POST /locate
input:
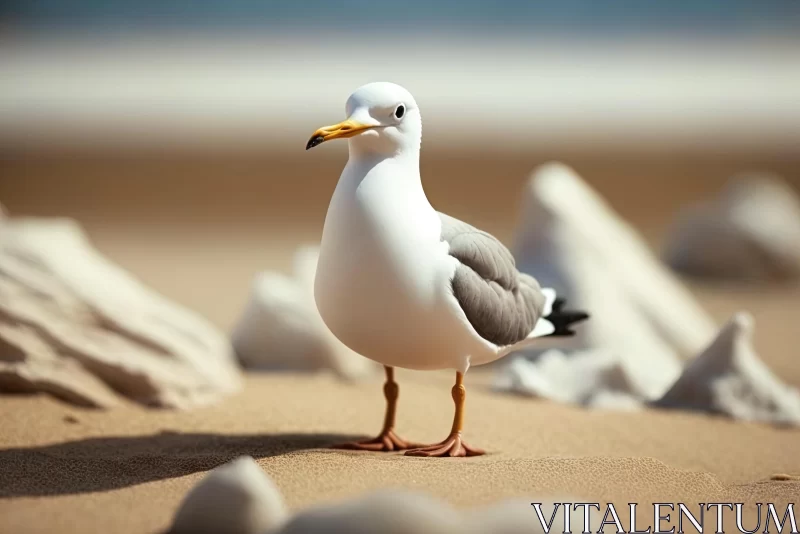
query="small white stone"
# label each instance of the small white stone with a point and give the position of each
(281, 329)
(236, 498)
(404, 512)
(518, 516)
(384, 512)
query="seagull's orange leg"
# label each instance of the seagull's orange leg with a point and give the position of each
(453, 445)
(387, 440)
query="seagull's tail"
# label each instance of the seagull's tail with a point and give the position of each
(563, 320)
(556, 321)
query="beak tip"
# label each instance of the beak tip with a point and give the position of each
(314, 141)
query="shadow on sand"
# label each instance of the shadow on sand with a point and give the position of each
(99, 464)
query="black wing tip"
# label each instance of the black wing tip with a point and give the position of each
(563, 320)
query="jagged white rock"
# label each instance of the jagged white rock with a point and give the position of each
(750, 231)
(728, 378)
(570, 239)
(235, 498)
(77, 326)
(281, 329)
(593, 378)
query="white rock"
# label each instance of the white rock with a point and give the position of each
(281, 329)
(403, 512)
(387, 512)
(750, 231)
(593, 378)
(570, 239)
(77, 326)
(276, 330)
(728, 378)
(30, 365)
(236, 498)
(518, 516)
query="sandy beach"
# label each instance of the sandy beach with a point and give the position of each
(159, 214)
(69, 470)
(65, 469)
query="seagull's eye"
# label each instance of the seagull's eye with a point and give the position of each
(399, 111)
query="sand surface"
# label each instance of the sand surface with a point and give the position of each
(201, 239)
(70, 470)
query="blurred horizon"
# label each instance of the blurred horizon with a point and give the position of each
(174, 131)
(678, 76)
(615, 18)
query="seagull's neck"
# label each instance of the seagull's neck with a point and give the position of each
(407, 155)
(399, 171)
(379, 207)
(387, 188)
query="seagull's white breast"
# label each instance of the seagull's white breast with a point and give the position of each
(383, 271)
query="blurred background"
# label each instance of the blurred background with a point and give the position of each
(174, 131)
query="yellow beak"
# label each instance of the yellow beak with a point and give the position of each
(345, 129)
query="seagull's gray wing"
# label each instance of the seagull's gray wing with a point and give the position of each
(501, 303)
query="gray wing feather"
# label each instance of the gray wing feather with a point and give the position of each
(501, 303)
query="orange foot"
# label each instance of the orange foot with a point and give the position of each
(452, 446)
(387, 441)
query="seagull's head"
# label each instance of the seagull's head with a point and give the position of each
(382, 119)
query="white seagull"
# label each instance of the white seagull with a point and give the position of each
(407, 286)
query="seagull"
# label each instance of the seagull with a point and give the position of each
(408, 286)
